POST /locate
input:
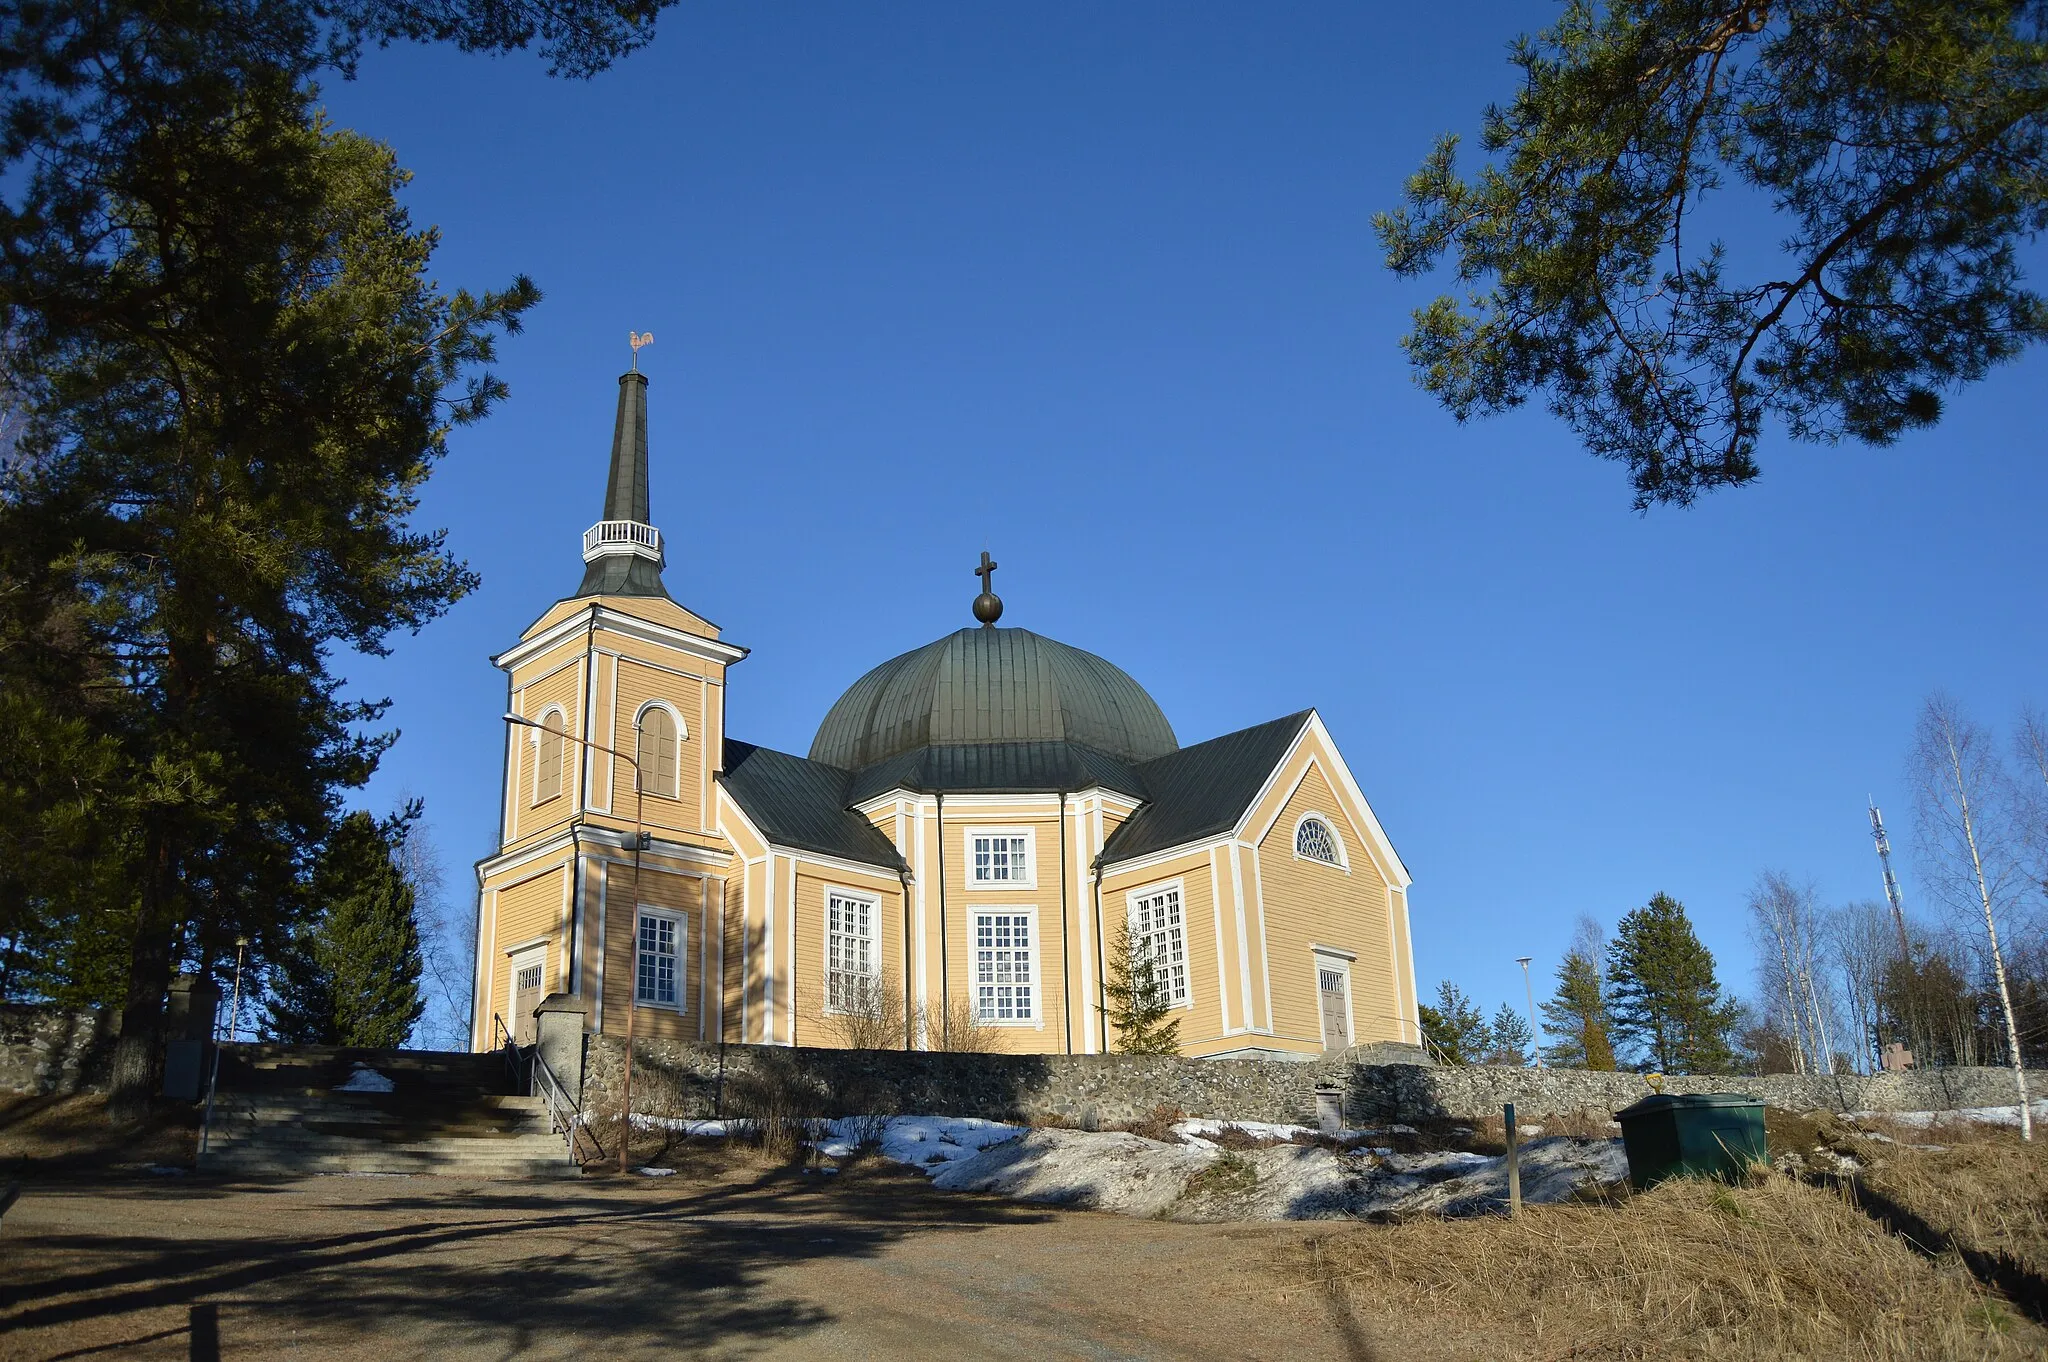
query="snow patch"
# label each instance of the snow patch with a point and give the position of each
(1994, 1116)
(363, 1078)
(650, 1171)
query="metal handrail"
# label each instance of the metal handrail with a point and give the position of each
(531, 1077)
(501, 1039)
(565, 1117)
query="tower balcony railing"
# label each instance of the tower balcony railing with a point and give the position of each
(621, 536)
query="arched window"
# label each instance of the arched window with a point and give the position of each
(547, 758)
(1313, 841)
(657, 754)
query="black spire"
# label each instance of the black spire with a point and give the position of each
(622, 565)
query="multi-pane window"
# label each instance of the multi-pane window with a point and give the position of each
(1157, 935)
(657, 754)
(1001, 858)
(659, 975)
(1002, 967)
(1313, 841)
(850, 976)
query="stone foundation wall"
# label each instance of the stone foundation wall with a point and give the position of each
(45, 1050)
(672, 1079)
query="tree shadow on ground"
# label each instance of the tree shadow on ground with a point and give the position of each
(511, 1264)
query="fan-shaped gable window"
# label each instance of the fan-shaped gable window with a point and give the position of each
(657, 754)
(1314, 840)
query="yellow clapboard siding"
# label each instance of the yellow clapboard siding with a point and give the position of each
(1307, 903)
(659, 889)
(1203, 1019)
(638, 686)
(529, 909)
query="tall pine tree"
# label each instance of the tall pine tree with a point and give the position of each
(352, 975)
(228, 371)
(1663, 996)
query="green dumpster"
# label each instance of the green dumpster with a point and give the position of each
(1692, 1135)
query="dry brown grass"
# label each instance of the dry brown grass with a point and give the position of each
(1157, 1124)
(42, 1135)
(1986, 1193)
(1689, 1270)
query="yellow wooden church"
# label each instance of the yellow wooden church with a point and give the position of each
(951, 859)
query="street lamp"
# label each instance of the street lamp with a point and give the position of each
(633, 971)
(1535, 1043)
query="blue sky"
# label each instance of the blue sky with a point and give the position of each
(1095, 287)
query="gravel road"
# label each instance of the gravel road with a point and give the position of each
(718, 1261)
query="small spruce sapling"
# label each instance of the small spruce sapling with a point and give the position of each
(1137, 1006)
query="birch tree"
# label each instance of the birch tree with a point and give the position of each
(1864, 944)
(1966, 801)
(1786, 926)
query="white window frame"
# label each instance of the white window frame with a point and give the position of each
(1343, 861)
(1179, 889)
(1321, 959)
(1036, 945)
(682, 736)
(539, 735)
(874, 905)
(1030, 879)
(521, 955)
(681, 920)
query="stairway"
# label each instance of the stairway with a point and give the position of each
(278, 1113)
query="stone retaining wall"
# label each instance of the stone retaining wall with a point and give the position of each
(671, 1079)
(46, 1050)
(1406, 1092)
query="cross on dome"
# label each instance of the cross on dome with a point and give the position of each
(988, 607)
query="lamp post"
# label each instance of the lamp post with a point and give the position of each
(1535, 1044)
(633, 971)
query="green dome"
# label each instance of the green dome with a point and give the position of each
(992, 686)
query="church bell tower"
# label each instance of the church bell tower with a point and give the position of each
(608, 844)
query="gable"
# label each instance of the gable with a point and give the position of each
(1315, 752)
(654, 609)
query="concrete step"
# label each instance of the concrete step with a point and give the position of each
(367, 1117)
(315, 1099)
(303, 1166)
(314, 1139)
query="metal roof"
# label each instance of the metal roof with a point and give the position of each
(1188, 795)
(625, 498)
(991, 686)
(1202, 791)
(802, 804)
(996, 768)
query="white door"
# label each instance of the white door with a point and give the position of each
(526, 994)
(1333, 992)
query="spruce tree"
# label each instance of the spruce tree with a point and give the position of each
(1454, 1028)
(1507, 1038)
(1577, 1015)
(352, 977)
(1663, 996)
(1137, 1008)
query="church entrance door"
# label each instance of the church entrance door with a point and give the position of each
(526, 975)
(1333, 991)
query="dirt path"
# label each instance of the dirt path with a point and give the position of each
(721, 1262)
